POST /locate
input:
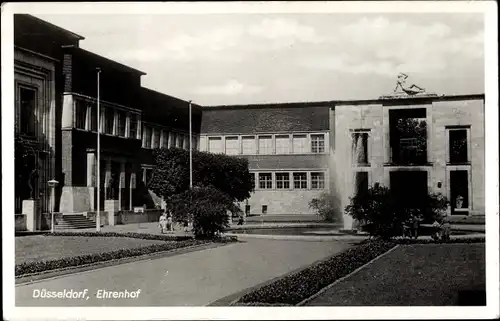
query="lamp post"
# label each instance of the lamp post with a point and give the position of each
(52, 184)
(98, 214)
(190, 149)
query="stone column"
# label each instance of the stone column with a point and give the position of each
(171, 140)
(68, 111)
(91, 177)
(121, 185)
(32, 210)
(386, 135)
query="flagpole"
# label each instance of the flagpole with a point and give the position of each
(98, 215)
(190, 150)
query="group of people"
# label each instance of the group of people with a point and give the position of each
(441, 227)
(166, 223)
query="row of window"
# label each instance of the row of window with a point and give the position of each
(154, 137)
(267, 144)
(288, 180)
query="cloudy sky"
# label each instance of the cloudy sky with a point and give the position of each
(217, 59)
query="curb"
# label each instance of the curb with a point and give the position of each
(303, 302)
(57, 273)
(312, 238)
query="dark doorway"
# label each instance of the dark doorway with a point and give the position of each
(361, 183)
(409, 188)
(459, 190)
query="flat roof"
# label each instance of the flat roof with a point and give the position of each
(331, 103)
(106, 60)
(66, 31)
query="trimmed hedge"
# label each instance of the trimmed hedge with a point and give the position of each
(42, 266)
(469, 240)
(143, 236)
(297, 287)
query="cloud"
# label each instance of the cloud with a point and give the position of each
(232, 87)
(383, 47)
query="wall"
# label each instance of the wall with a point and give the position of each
(281, 202)
(129, 217)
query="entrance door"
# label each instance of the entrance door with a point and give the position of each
(409, 187)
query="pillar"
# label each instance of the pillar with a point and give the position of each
(121, 185)
(132, 187)
(386, 135)
(91, 177)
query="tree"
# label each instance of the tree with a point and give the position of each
(206, 207)
(227, 174)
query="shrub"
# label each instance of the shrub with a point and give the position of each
(435, 207)
(42, 266)
(143, 236)
(294, 288)
(206, 207)
(325, 207)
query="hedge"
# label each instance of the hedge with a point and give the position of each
(43, 266)
(144, 236)
(468, 240)
(297, 287)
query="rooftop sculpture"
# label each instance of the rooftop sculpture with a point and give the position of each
(403, 90)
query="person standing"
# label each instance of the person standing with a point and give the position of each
(162, 224)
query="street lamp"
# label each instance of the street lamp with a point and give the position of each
(52, 184)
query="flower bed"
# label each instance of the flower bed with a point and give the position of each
(171, 243)
(297, 287)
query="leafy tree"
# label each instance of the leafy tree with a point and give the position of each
(325, 207)
(206, 207)
(227, 174)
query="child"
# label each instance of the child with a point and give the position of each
(163, 222)
(169, 223)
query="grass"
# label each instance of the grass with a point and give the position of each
(416, 275)
(38, 248)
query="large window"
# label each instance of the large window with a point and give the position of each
(265, 181)
(146, 137)
(28, 107)
(300, 144)
(122, 121)
(458, 146)
(156, 138)
(80, 114)
(133, 126)
(232, 146)
(318, 143)
(318, 180)
(359, 148)
(215, 145)
(265, 145)
(109, 122)
(300, 180)
(282, 144)
(282, 180)
(93, 117)
(248, 145)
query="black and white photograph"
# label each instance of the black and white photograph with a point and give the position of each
(236, 160)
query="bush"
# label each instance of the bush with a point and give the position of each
(206, 207)
(325, 207)
(42, 266)
(294, 288)
(142, 236)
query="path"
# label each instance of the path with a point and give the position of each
(191, 279)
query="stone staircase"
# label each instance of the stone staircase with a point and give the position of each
(74, 221)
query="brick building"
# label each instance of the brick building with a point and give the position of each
(298, 150)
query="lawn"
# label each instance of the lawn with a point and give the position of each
(416, 275)
(39, 247)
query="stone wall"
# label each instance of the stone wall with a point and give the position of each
(281, 202)
(129, 217)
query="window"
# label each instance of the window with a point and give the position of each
(300, 180)
(232, 146)
(28, 110)
(109, 115)
(282, 180)
(148, 176)
(156, 138)
(180, 140)
(318, 143)
(264, 209)
(265, 145)
(252, 178)
(122, 121)
(361, 182)
(360, 148)
(300, 144)
(282, 144)
(318, 180)
(458, 146)
(146, 137)
(248, 145)
(215, 145)
(165, 139)
(265, 181)
(133, 126)
(80, 114)
(93, 118)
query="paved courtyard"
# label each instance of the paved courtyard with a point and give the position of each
(191, 279)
